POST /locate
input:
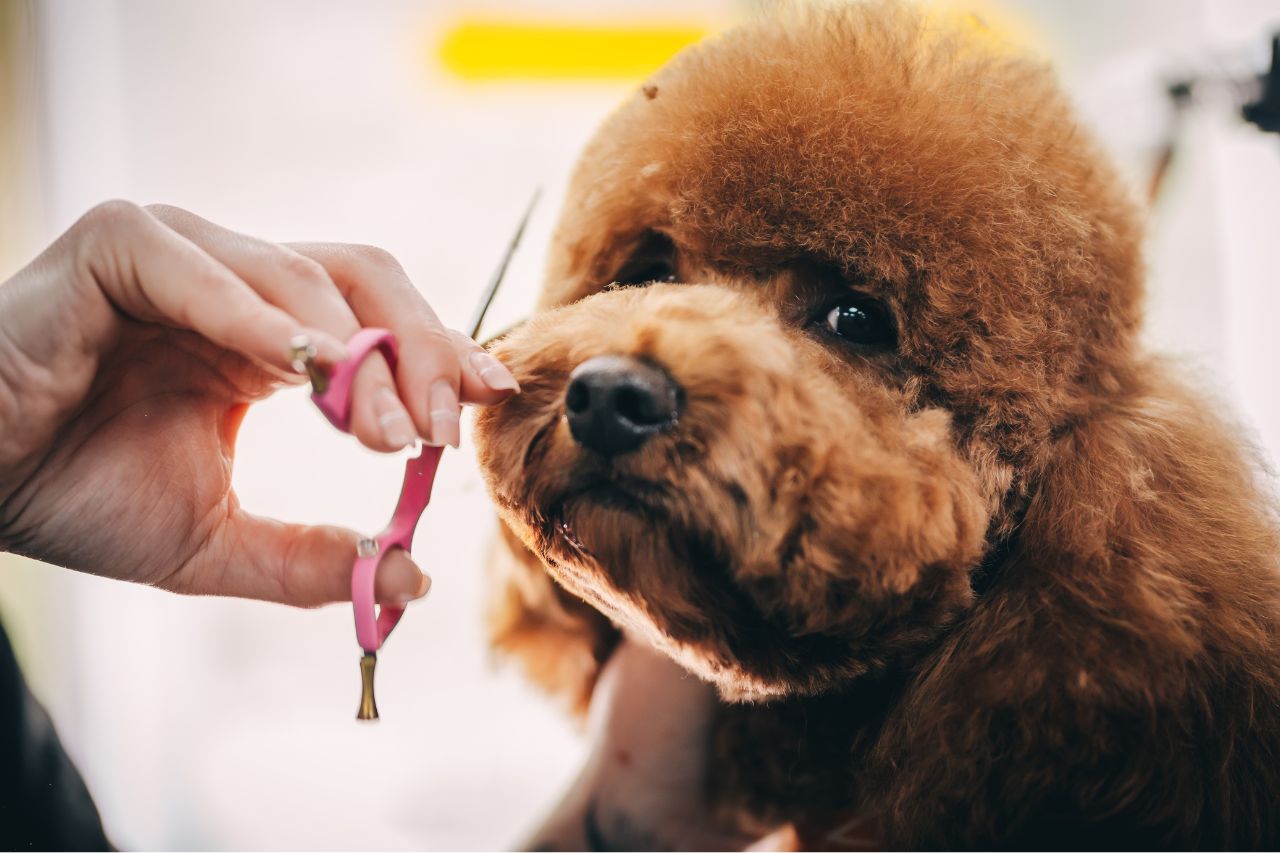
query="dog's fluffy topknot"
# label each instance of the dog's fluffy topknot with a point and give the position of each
(907, 152)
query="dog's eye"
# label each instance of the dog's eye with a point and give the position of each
(861, 320)
(652, 260)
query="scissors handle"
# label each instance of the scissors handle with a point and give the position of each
(334, 399)
(374, 623)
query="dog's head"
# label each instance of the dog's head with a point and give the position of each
(823, 292)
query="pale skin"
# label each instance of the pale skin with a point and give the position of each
(129, 352)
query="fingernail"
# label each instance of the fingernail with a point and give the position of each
(492, 372)
(444, 413)
(424, 586)
(393, 420)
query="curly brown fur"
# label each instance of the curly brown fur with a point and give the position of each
(1005, 582)
(561, 640)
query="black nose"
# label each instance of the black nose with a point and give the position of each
(614, 403)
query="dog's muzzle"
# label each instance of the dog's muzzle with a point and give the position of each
(616, 403)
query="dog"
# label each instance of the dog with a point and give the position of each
(834, 400)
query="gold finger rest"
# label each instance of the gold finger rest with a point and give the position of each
(368, 705)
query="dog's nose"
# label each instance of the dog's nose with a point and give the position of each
(614, 403)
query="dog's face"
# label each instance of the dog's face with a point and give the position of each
(822, 294)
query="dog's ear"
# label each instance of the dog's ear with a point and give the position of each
(1157, 507)
(1132, 627)
(561, 641)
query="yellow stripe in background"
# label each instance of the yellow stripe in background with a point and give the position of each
(991, 24)
(490, 51)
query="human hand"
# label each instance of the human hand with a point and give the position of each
(129, 352)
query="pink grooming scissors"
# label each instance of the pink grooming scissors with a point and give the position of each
(331, 392)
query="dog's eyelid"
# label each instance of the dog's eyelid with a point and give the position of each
(835, 276)
(855, 293)
(651, 258)
(653, 243)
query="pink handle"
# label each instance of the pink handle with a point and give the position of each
(374, 624)
(335, 402)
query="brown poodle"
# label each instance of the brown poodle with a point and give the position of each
(835, 399)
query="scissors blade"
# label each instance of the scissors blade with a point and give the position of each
(486, 298)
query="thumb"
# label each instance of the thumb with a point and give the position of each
(261, 558)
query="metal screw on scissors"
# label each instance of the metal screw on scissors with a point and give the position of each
(331, 393)
(302, 354)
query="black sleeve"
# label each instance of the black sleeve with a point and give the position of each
(44, 804)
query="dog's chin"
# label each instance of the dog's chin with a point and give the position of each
(591, 528)
(579, 536)
(625, 546)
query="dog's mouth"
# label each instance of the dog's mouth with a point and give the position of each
(625, 493)
(586, 534)
(608, 525)
(644, 501)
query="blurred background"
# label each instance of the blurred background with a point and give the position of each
(423, 127)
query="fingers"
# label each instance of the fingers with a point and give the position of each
(152, 273)
(252, 296)
(437, 370)
(268, 560)
(303, 288)
(376, 287)
(484, 380)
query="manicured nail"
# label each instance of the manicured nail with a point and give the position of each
(424, 586)
(492, 372)
(393, 420)
(444, 414)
